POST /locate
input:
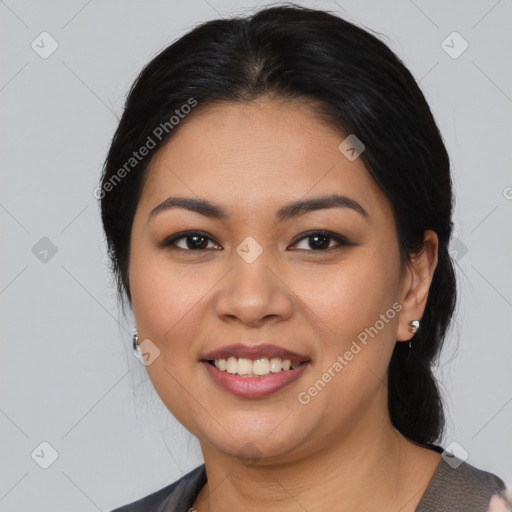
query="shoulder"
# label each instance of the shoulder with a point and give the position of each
(176, 496)
(460, 487)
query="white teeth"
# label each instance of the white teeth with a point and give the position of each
(261, 367)
(275, 364)
(231, 365)
(244, 366)
(248, 368)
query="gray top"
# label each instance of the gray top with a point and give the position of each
(455, 487)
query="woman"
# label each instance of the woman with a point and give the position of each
(277, 203)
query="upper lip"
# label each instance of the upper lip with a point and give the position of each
(249, 351)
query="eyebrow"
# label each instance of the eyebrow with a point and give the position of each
(295, 209)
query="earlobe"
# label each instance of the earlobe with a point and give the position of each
(416, 285)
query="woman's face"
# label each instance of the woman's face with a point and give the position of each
(254, 277)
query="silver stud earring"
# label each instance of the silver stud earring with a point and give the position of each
(136, 347)
(414, 325)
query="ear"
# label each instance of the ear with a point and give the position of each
(416, 282)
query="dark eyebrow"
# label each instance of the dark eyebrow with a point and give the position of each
(319, 203)
(201, 206)
(295, 209)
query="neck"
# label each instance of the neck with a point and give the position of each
(372, 468)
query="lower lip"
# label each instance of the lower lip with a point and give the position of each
(255, 387)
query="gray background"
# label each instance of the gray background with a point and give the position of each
(68, 375)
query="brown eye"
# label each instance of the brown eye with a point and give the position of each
(320, 241)
(193, 241)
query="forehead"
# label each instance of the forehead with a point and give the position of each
(257, 153)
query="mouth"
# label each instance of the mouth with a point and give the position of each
(255, 371)
(258, 368)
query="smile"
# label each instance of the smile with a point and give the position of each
(244, 367)
(254, 379)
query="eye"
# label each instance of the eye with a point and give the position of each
(194, 241)
(320, 241)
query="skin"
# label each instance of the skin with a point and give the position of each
(253, 159)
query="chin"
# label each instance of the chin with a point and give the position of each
(256, 445)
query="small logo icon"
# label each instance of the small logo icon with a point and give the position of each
(457, 249)
(454, 45)
(249, 250)
(44, 45)
(249, 453)
(147, 352)
(44, 455)
(351, 147)
(454, 454)
(44, 250)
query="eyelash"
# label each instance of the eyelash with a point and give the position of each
(340, 240)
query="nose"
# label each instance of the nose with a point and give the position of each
(254, 294)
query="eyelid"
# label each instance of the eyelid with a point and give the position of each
(170, 241)
(339, 239)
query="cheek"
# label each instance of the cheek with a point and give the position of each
(352, 296)
(355, 321)
(167, 306)
(163, 297)
(358, 324)
(167, 301)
